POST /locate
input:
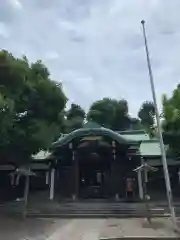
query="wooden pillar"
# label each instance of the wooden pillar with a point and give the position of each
(76, 177)
(72, 174)
(114, 169)
(52, 184)
(114, 150)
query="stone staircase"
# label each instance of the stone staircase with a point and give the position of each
(94, 209)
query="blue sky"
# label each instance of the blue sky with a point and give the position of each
(95, 47)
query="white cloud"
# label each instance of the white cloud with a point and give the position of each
(51, 55)
(96, 47)
(4, 32)
(16, 4)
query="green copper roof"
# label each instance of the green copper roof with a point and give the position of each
(150, 148)
(136, 135)
(90, 132)
(91, 124)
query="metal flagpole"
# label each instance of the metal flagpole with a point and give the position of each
(163, 153)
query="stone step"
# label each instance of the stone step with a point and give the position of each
(142, 237)
(93, 215)
(85, 209)
(101, 210)
(93, 211)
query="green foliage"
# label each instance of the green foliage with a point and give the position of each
(75, 111)
(102, 112)
(147, 115)
(110, 113)
(74, 124)
(171, 123)
(74, 118)
(121, 120)
(31, 107)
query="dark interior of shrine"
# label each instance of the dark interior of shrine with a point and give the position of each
(96, 165)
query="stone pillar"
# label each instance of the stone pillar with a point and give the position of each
(52, 184)
(12, 178)
(146, 175)
(179, 175)
(140, 186)
(47, 178)
(17, 179)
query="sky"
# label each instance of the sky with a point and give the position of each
(95, 47)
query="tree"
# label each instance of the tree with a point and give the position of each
(74, 118)
(171, 123)
(102, 112)
(147, 115)
(30, 107)
(75, 111)
(121, 120)
(110, 113)
(74, 124)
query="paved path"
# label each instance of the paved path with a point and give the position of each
(29, 229)
(49, 229)
(82, 229)
(138, 228)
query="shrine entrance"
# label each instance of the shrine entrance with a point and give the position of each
(94, 163)
(94, 170)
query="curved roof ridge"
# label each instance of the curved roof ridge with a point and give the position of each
(91, 131)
